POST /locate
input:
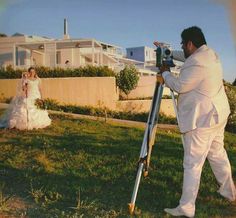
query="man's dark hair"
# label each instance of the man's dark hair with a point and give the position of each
(195, 35)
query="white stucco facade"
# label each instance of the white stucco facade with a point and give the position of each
(142, 53)
(23, 51)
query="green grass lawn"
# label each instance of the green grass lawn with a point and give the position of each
(83, 168)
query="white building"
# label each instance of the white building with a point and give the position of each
(13, 55)
(142, 53)
(147, 55)
(22, 51)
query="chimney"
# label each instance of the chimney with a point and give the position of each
(66, 35)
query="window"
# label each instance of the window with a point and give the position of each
(58, 57)
(131, 53)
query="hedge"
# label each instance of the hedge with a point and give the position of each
(50, 104)
(46, 72)
(231, 94)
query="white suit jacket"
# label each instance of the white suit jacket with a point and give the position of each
(202, 100)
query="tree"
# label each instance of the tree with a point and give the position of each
(127, 79)
(234, 82)
(3, 35)
(231, 94)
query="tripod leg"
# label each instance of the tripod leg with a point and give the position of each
(152, 141)
(135, 191)
(147, 144)
(153, 133)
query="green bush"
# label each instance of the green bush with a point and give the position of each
(3, 99)
(127, 79)
(231, 94)
(234, 82)
(46, 72)
(50, 104)
(10, 73)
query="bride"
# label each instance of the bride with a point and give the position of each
(22, 112)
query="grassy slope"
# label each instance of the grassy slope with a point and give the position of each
(90, 166)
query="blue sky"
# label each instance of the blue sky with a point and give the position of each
(125, 23)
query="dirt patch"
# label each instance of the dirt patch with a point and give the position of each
(15, 207)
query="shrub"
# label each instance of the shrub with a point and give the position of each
(3, 35)
(4, 99)
(10, 73)
(234, 82)
(46, 72)
(127, 79)
(101, 112)
(231, 94)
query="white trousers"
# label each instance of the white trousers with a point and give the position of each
(199, 144)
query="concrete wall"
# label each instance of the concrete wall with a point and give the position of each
(144, 106)
(91, 91)
(145, 88)
(8, 87)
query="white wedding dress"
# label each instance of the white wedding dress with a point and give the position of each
(22, 112)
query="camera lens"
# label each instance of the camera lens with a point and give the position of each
(167, 52)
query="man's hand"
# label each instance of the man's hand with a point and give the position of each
(157, 44)
(160, 79)
(164, 68)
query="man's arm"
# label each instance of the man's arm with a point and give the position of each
(189, 79)
(178, 55)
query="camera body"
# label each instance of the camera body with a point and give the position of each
(164, 56)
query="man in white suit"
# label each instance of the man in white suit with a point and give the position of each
(203, 110)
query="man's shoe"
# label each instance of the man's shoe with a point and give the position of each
(175, 212)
